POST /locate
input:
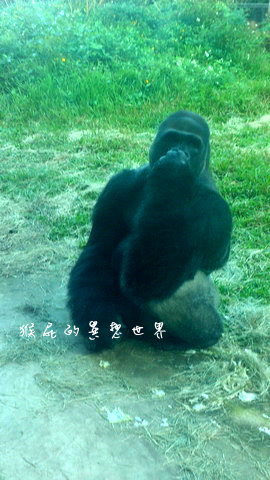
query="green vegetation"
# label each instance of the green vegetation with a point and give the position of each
(60, 62)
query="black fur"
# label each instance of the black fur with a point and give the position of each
(158, 232)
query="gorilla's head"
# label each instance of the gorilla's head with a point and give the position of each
(188, 146)
(187, 133)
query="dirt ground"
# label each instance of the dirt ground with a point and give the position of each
(57, 400)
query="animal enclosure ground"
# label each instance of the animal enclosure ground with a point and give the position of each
(133, 412)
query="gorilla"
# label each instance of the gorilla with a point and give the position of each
(157, 233)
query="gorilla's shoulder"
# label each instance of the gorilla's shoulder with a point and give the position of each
(128, 179)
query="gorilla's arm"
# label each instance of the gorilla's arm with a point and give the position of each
(181, 227)
(157, 253)
(93, 291)
(212, 224)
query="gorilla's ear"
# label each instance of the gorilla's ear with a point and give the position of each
(171, 138)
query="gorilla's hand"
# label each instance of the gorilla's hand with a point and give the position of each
(175, 162)
(171, 178)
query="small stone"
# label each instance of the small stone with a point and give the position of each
(247, 396)
(158, 393)
(104, 364)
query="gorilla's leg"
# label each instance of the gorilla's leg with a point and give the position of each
(190, 313)
(94, 298)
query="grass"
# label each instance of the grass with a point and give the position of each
(61, 64)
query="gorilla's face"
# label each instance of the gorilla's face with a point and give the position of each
(187, 147)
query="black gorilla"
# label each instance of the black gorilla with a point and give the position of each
(158, 232)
